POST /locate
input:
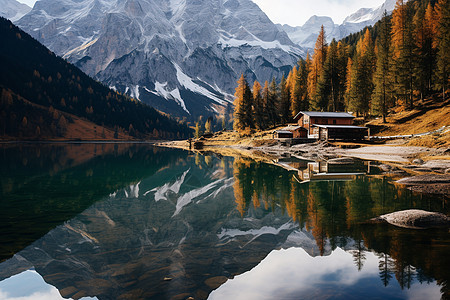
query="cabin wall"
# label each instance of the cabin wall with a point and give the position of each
(332, 121)
(299, 133)
(307, 122)
(343, 134)
(282, 135)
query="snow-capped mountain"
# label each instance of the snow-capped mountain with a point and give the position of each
(306, 35)
(181, 56)
(180, 222)
(13, 10)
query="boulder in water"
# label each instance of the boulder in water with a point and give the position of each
(415, 219)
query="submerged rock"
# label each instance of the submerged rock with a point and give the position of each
(415, 219)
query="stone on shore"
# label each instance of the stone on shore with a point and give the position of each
(415, 219)
(430, 183)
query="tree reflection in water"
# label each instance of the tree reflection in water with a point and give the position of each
(126, 217)
(337, 211)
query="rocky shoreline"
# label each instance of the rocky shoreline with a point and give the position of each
(420, 169)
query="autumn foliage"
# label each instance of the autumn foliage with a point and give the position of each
(403, 58)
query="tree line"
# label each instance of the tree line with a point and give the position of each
(40, 91)
(403, 58)
(335, 211)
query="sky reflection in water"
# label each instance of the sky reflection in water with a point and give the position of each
(29, 285)
(294, 274)
(117, 220)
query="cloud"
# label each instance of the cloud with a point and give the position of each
(293, 274)
(29, 285)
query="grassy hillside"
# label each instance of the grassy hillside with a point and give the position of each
(428, 115)
(44, 97)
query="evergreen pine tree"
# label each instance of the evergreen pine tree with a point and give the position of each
(342, 59)
(198, 130)
(258, 106)
(361, 77)
(307, 70)
(271, 105)
(284, 104)
(348, 83)
(328, 84)
(208, 125)
(243, 106)
(298, 90)
(319, 57)
(265, 99)
(403, 51)
(443, 45)
(382, 82)
(426, 56)
(290, 82)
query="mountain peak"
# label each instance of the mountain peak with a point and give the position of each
(13, 10)
(306, 35)
(314, 20)
(190, 52)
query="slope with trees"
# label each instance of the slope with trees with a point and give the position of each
(44, 97)
(404, 58)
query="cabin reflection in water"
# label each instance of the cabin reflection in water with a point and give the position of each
(323, 170)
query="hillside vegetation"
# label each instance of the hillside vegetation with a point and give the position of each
(429, 115)
(44, 97)
(395, 65)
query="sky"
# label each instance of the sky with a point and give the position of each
(297, 12)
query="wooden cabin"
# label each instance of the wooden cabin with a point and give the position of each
(291, 132)
(330, 125)
(342, 132)
(282, 134)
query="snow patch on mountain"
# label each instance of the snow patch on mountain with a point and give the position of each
(161, 192)
(187, 82)
(190, 53)
(191, 195)
(232, 233)
(306, 35)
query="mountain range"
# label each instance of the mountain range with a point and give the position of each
(182, 57)
(306, 35)
(42, 96)
(179, 221)
(13, 10)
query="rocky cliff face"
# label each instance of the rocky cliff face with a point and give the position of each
(13, 10)
(182, 56)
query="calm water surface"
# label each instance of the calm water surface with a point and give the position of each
(125, 221)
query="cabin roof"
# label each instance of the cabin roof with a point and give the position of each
(339, 126)
(321, 114)
(283, 131)
(293, 128)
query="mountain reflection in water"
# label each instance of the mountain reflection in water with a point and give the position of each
(171, 224)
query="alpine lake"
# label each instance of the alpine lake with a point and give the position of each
(134, 221)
